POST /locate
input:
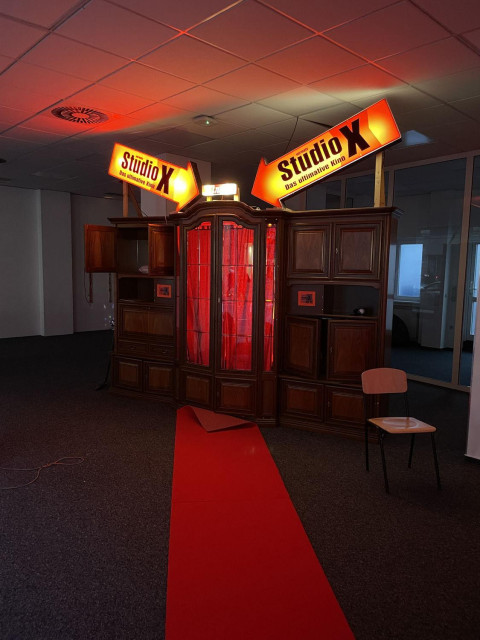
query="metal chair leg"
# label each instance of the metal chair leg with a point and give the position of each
(434, 448)
(366, 447)
(412, 442)
(382, 435)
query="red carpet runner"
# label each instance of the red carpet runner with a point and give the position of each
(240, 564)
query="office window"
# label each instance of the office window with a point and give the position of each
(409, 272)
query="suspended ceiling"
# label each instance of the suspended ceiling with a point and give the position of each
(273, 73)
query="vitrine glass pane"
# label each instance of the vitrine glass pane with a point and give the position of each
(237, 296)
(471, 280)
(198, 294)
(269, 322)
(324, 195)
(431, 198)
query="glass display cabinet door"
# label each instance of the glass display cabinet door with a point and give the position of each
(237, 286)
(198, 297)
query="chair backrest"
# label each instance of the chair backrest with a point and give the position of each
(384, 380)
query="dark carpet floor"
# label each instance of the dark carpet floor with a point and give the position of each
(83, 549)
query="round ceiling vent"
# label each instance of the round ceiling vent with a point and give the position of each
(82, 115)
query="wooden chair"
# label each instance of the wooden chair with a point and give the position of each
(383, 380)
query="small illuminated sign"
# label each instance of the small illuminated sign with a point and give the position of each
(155, 175)
(362, 134)
(226, 189)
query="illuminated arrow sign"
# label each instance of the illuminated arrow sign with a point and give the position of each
(150, 173)
(357, 137)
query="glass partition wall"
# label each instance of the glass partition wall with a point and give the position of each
(437, 265)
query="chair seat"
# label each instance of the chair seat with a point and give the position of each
(402, 425)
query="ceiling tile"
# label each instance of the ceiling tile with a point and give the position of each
(179, 138)
(391, 30)
(253, 116)
(18, 37)
(145, 82)
(129, 35)
(161, 113)
(252, 83)
(400, 99)
(232, 31)
(180, 15)
(32, 135)
(421, 119)
(311, 60)
(333, 115)
(11, 148)
(214, 151)
(192, 59)
(65, 56)
(40, 80)
(470, 106)
(253, 139)
(25, 100)
(220, 130)
(453, 87)
(5, 61)
(432, 61)
(202, 100)
(459, 16)
(14, 116)
(331, 13)
(100, 97)
(473, 37)
(45, 14)
(357, 83)
(299, 101)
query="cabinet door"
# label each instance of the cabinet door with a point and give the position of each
(351, 348)
(160, 249)
(357, 251)
(99, 249)
(302, 399)
(133, 322)
(308, 251)
(236, 395)
(301, 346)
(159, 378)
(344, 406)
(127, 373)
(161, 324)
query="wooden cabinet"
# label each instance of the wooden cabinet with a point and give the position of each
(270, 315)
(336, 315)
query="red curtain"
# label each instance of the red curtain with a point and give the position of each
(237, 296)
(268, 353)
(198, 294)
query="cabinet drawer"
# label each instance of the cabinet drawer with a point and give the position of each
(163, 351)
(126, 347)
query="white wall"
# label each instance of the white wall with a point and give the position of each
(19, 262)
(43, 287)
(55, 260)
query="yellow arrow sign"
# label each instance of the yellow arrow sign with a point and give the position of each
(353, 139)
(149, 173)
